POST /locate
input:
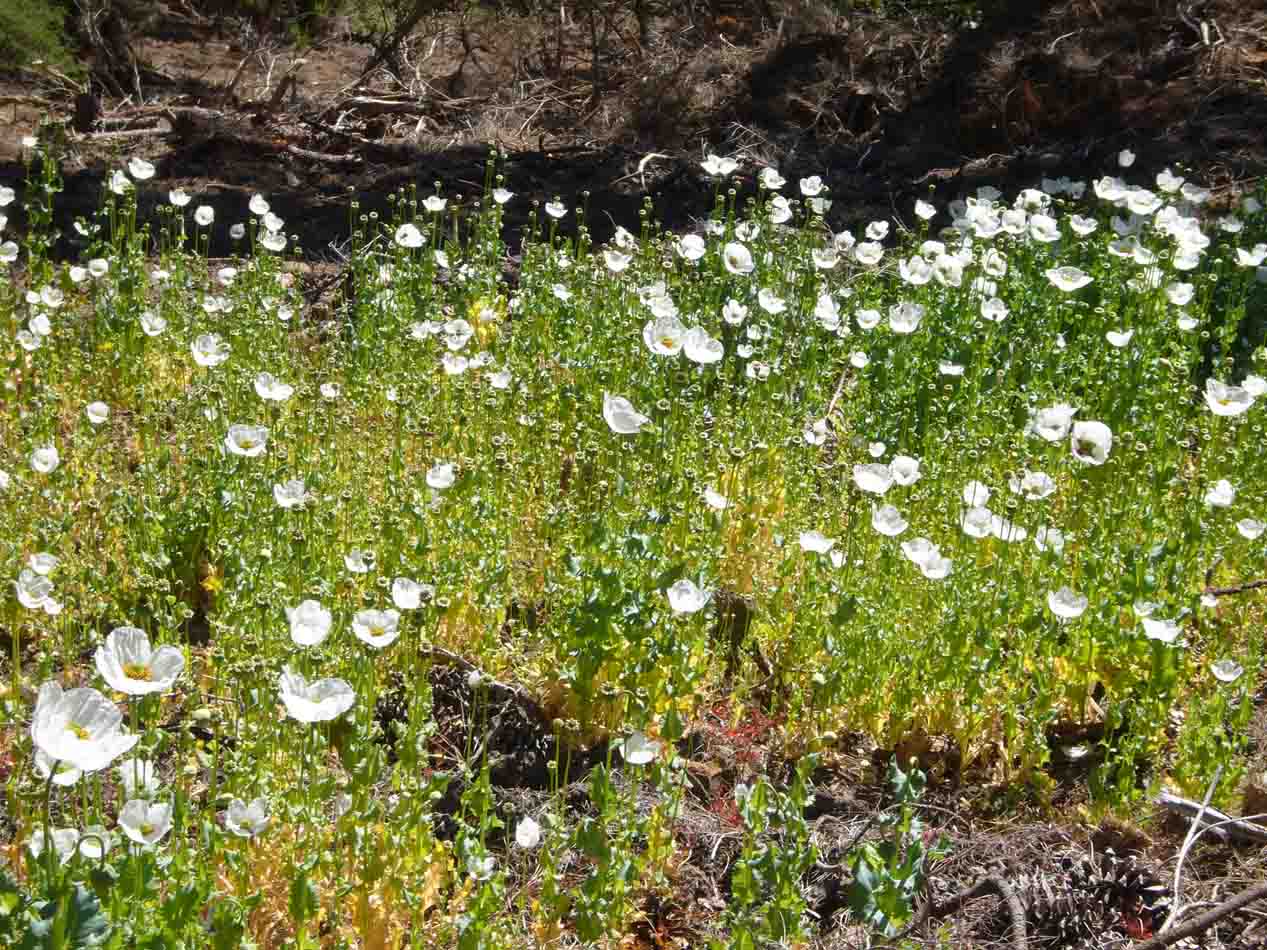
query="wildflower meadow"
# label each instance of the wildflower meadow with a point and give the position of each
(991, 471)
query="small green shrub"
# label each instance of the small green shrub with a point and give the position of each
(33, 30)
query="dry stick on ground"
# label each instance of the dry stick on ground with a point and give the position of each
(1207, 920)
(987, 885)
(1223, 825)
(1237, 588)
(1193, 830)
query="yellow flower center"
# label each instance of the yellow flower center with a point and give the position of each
(147, 829)
(137, 671)
(376, 630)
(78, 731)
(667, 342)
(247, 442)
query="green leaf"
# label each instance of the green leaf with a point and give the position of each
(303, 898)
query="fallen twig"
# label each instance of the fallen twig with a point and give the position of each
(323, 156)
(1177, 888)
(1237, 588)
(992, 884)
(1214, 819)
(1207, 920)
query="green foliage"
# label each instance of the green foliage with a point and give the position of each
(34, 30)
(888, 876)
(71, 918)
(768, 904)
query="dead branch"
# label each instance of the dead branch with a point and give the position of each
(1237, 588)
(992, 884)
(163, 128)
(323, 156)
(1207, 920)
(1217, 821)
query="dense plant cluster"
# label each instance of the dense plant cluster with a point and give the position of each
(974, 474)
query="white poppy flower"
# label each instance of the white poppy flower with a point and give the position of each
(827, 312)
(616, 260)
(1119, 338)
(151, 323)
(502, 195)
(247, 441)
(1250, 528)
(924, 210)
(1051, 424)
(888, 521)
(79, 727)
(527, 833)
(1126, 158)
(715, 500)
(1033, 485)
(268, 386)
(408, 236)
(65, 841)
(686, 598)
(717, 167)
(1082, 226)
(8, 252)
(1224, 399)
(1091, 442)
(45, 459)
(274, 242)
(1049, 539)
(292, 493)
(905, 317)
(1255, 385)
(318, 701)
(377, 628)
(144, 822)
(737, 259)
(63, 773)
(816, 542)
(976, 522)
(975, 494)
(358, 561)
(139, 778)
(771, 179)
(1221, 494)
(119, 183)
(1068, 278)
(691, 247)
(1066, 604)
(408, 594)
(309, 623)
(734, 312)
(771, 302)
(130, 665)
(33, 589)
(638, 749)
(140, 169)
(905, 469)
(664, 336)
(209, 350)
(701, 348)
(874, 477)
(442, 475)
(621, 417)
(1163, 631)
(816, 434)
(245, 820)
(1226, 671)
(43, 563)
(434, 203)
(556, 209)
(1006, 531)
(204, 215)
